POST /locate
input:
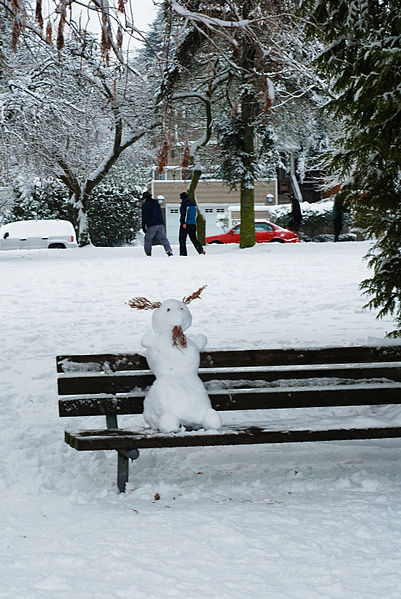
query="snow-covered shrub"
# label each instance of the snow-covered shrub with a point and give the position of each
(115, 209)
(114, 215)
(317, 220)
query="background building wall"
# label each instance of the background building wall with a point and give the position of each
(212, 192)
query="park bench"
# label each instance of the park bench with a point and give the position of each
(114, 385)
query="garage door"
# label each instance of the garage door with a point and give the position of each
(211, 214)
(172, 223)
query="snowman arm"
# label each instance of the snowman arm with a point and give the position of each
(148, 340)
(200, 341)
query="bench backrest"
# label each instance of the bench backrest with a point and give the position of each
(111, 384)
(236, 358)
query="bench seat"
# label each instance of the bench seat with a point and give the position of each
(91, 440)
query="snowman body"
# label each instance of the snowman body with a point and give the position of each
(177, 397)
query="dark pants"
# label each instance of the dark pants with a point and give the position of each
(189, 230)
(338, 227)
(159, 232)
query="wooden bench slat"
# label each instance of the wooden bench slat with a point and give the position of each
(120, 439)
(124, 383)
(296, 397)
(392, 371)
(275, 357)
(247, 399)
(103, 384)
(100, 362)
(101, 406)
(238, 358)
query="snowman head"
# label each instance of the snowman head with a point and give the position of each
(172, 313)
(170, 316)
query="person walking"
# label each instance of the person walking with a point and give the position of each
(295, 217)
(338, 218)
(188, 225)
(153, 224)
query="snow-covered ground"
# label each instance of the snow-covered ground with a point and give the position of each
(303, 521)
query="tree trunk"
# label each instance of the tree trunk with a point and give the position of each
(197, 170)
(80, 204)
(247, 232)
(200, 219)
(249, 105)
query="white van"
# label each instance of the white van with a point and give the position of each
(37, 234)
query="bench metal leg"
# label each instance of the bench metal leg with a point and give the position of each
(122, 472)
(111, 421)
(122, 467)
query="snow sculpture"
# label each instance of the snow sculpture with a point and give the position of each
(177, 397)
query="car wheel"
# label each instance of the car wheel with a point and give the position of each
(53, 246)
(276, 240)
(219, 242)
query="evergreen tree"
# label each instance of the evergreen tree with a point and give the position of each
(45, 199)
(361, 56)
(114, 215)
(115, 211)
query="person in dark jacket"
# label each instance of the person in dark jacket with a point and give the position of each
(153, 224)
(338, 218)
(188, 225)
(295, 216)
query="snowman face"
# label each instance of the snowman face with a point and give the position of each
(170, 314)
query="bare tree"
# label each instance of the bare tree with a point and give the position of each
(71, 119)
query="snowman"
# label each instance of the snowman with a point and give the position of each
(177, 397)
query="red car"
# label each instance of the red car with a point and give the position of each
(265, 232)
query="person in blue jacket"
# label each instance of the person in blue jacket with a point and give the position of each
(153, 224)
(188, 225)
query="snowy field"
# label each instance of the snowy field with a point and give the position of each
(306, 521)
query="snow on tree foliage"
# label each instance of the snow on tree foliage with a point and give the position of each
(43, 199)
(237, 166)
(361, 55)
(114, 215)
(73, 118)
(70, 119)
(233, 168)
